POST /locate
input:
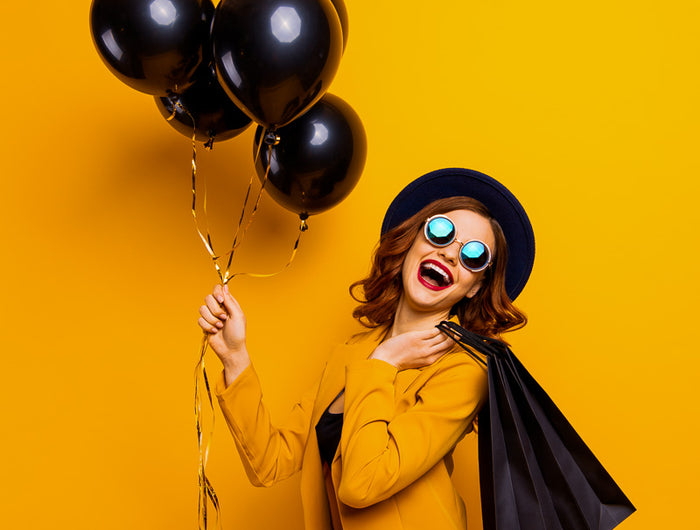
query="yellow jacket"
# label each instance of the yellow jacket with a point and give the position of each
(394, 461)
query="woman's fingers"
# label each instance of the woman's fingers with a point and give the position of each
(206, 326)
(447, 341)
(215, 307)
(213, 313)
(414, 349)
(218, 292)
(439, 345)
(431, 333)
(436, 337)
(209, 318)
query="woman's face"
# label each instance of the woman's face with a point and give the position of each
(433, 277)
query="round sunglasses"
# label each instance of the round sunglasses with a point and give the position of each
(440, 231)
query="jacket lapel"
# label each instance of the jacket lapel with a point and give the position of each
(334, 376)
(358, 347)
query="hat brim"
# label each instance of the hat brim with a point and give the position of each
(505, 208)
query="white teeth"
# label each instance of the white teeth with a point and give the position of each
(437, 269)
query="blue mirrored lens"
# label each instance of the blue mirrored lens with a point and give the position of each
(474, 255)
(440, 231)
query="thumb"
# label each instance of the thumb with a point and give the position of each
(231, 305)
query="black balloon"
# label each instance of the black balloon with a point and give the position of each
(343, 16)
(206, 106)
(318, 160)
(154, 46)
(276, 58)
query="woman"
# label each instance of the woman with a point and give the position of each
(374, 438)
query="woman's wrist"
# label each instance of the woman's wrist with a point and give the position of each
(235, 364)
(380, 354)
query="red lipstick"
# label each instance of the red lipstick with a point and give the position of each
(434, 275)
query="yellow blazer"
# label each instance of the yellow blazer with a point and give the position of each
(394, 461)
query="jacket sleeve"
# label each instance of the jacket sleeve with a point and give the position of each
(269, 453)
(384, 452)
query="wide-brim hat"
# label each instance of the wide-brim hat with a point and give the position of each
(504, 207)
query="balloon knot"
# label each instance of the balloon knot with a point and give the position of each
(272, 138)
(210, 143)
(303, 226)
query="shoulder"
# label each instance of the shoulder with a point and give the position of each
(358, 346)
(366, 335)
(361, 344)
(358, 337)
(459, 368)
(457, 359)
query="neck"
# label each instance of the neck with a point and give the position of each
(408, 319)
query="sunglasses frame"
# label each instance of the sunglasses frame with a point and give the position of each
(461, 243)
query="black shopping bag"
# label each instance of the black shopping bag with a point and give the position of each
(536, 473)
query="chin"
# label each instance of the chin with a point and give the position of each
(422, 299)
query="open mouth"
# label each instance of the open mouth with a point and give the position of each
(434, 275)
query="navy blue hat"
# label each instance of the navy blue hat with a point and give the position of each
(504, 207)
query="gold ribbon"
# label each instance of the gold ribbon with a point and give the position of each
(224, 274)
(303, 227)
(207, 494)
(206, 490)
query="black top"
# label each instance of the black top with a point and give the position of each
(328, 431)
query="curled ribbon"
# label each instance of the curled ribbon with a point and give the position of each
(202, 388)
(206, 490)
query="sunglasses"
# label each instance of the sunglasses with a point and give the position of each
(440, 231)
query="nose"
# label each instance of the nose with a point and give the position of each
(450, 253)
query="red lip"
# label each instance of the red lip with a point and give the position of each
(442, 268)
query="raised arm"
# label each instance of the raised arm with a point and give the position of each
(269, 452)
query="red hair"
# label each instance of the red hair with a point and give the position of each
(489, 312)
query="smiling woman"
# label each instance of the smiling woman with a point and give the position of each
(374, 438)
(478, 297)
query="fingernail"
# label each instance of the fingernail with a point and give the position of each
(219, 325)
(226, 288)
(223, 316)
(220, 299)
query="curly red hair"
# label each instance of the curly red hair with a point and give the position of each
(490, 312)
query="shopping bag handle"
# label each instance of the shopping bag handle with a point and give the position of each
(472, 342)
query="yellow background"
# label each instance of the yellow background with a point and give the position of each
(587, 111)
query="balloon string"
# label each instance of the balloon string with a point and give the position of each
(205, 236)
(257, 151)
(207, 494)
(207, 241)
(206, 490)
(205, 194)
(263, 137)
(236, 240)
(176, 105)
(303, 227)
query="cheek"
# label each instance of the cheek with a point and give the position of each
(406, 268)
(468, 281)
(411, 259)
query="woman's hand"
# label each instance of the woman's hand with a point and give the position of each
(223, 320)
(414, 349)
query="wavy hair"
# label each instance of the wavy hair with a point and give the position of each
(489, 312)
